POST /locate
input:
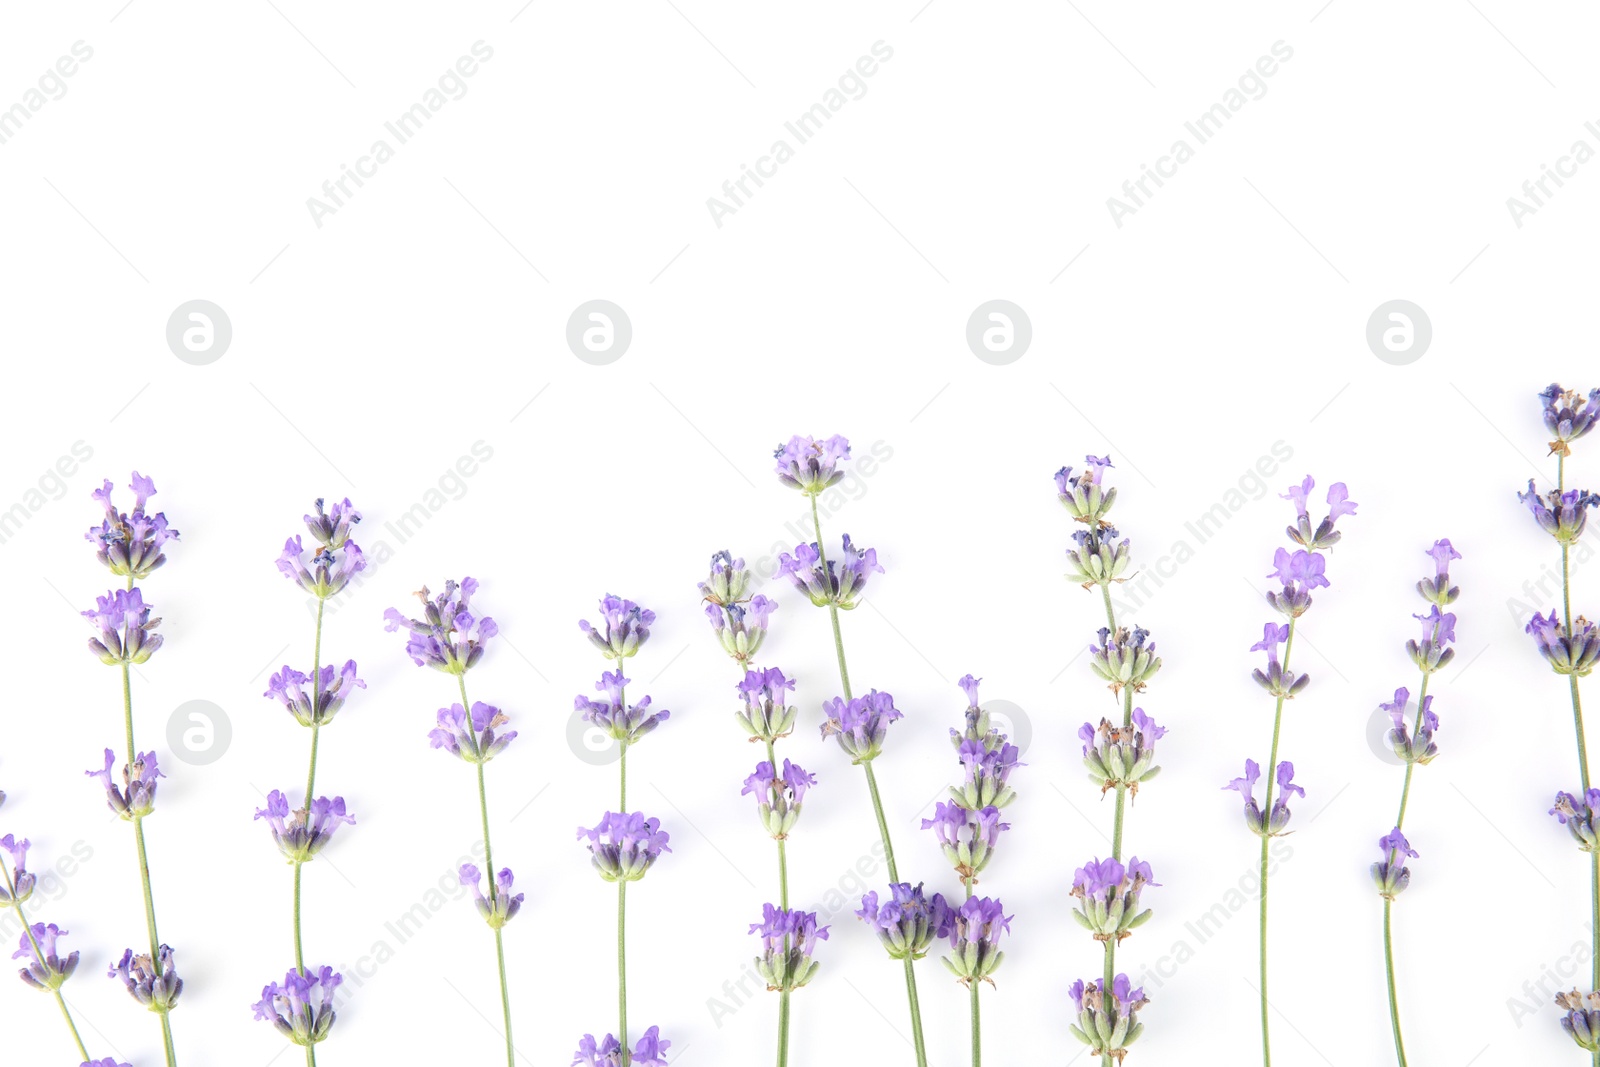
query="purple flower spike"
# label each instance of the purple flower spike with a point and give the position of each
(1121, 755)
(1124, 658)
(766, 714)
(329, 571)
(860, 723)
(1270, 824)
(474, 741)
(809, 465)
(1420, 749)
(332, 527)
(1390, 874)
(908, 922)
(987, 773)
(137, 796)
(1084, 496)
(729, 582)
(788, 939)
(742, 627)
(1438, 630)
(1108, 1019)
(155, 985)
(300, 834)
(19, 882)
(126, 630)
(448, 637)
(779, 796)
(301, 1006)
(501, 905)
(1108, 897)
(624, 723)
(650, 1051)
(624, 847)
(1582, 1018)
(841, 582)
(1568, 415)
(1567, 653)
(1280, 682)
(1324, 535)
(129, 543)
(975, 930)
(624, 627)
(318, 704)
(967, 837)
(1562, 515)
(43, 966)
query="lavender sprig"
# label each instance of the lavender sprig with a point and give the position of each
(1297, 572)
(1413, 742)
(1119, 754)
(1570, 645)
(860, 723)
(131, 546)
(451, 637)
(623, 846)
(301, 1006)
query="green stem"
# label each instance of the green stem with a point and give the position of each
(1405, 791)
(872, 783)
(1594, 907)
(27, 930)
(1110, 964)
(299, 956)
(783, 901)
(1388, 963)
(622, 970)
(494, 889)
(783, 1028)
(977, 1030)
(1272, 779)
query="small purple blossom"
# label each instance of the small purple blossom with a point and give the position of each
(1277, 679)
(1568, 415)
(836, 582)
(301, 1006)
(1582, 1018)
(1438, 589)
(1562, 515)
(19, 881)
(300, 833)
(1084, 496)
(766, 713)
(740, 628)
(1273, 823)
(1420, 749)
(43, 965)
(1121, 755)
(788, 940)
(1324, 535)
(624, 626)
(861, 723)
(332, 526)
(1390, 874)
(156, 985)
(326, 571)
(908, 922)
(1108, 896)
(619, 720)
(1581, 816)
(1438, 631)
(1125, 658)
(1567, 653)
(314, 705)
(779, 796)
(448, 637)
(969, 686)
(986, 773)
(137, 796)
(729, 582)
(1108, 1020)
(474, 741)
(501, 905)
(975, 930)
(126, 630)
(650, 1051)
(968, 838)
(129, 543)
(624, 846)
(810, 465)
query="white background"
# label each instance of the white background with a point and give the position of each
(429, 313)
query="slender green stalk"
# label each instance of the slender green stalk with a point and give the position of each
(1394, 1005)
(977, 1027)
(299, 954)
(494, 889)
(872, 784)
(1110, 968)
(783, 902)
(27, 930)
(1272, 771)
(622, 970)
(783, 1028)
(1583, 747)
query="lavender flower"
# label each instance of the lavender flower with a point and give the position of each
(448, 637)
(1438, 630)
(1108, 1022)
(1121, 755)
(840, 582)
(1108, 896)
(155, 985)
(1271, 824)
(20, 881)
(300, 834)
(742, 627)
(314, 705)
(301, 1006)
(1125, 658)
(967, 837)
(1562, 515)
(1390, 874)
(474, 742)
(1420, 749)
(779, 796)
(127, 632)
(767, 714)
(1568, 653)
(729, 582)
(977, 727)
(332, 528)
(809, 465)
(626, 724)
(908, 922)
(501, 906)
(1325, 536)
(988, 771)
(975, 929)
(1084, 497)
(1099, 558)
(129, 543)
(1568, 415)
(626, 626)
(109, 1061)
(623, 847)
(1277, 680)
(788, 939)
(1438, 589)
(1582, 1021)
(650, 1051)
(1578, 815)
(330, 568)
(43, 966)
(137, 797)
(861, 723)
